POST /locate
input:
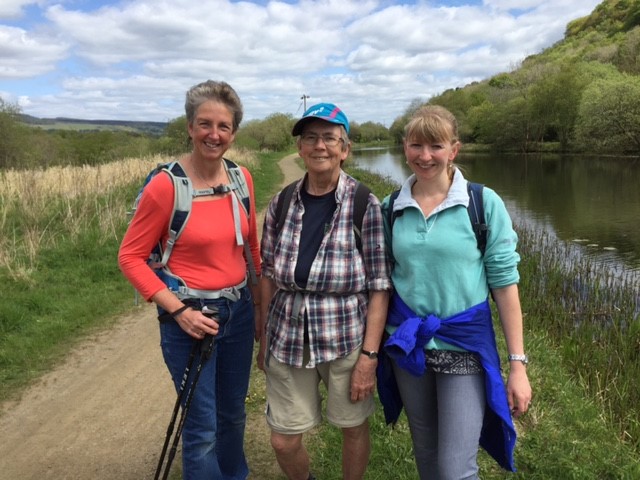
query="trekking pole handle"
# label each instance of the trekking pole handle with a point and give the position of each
(207, 343)
(209, 311)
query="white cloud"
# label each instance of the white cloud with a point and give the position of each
(14, 8)
(134, 60)
(26, 54)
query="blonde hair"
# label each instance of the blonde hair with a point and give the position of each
(432, 124)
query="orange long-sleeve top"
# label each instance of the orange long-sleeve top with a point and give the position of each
(206, 256)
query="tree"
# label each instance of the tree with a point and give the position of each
(370, 132)
(176, 137)
(609, 115)
(15, 144)
(554, 101)
(397, 127)
(272, 133)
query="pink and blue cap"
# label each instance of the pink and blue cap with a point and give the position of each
(322, 111)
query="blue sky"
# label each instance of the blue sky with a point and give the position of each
(135, 59)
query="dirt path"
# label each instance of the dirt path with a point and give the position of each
(103, 413)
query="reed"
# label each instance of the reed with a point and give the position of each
(590, 311)
(39, 207)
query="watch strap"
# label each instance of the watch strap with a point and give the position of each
(518, 358)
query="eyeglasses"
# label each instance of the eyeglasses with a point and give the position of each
(312, 139)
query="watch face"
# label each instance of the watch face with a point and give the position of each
(372, 355)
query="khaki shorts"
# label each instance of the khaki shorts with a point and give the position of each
(294, 401)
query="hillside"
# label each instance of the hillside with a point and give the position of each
(580, 95)
(60, 123)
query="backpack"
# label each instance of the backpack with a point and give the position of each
(475, 210)
(361, 201)
(183, 196)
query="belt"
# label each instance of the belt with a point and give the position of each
(231, 293)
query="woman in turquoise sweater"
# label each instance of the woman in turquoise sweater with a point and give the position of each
(441, 354)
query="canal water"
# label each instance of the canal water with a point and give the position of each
(590, 203)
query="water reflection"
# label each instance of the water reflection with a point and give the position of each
(593, 203)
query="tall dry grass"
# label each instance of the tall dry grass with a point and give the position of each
(38, 207)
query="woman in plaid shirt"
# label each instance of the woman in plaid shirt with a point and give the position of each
(324, 300)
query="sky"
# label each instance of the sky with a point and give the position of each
(135, 59)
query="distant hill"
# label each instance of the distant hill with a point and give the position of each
(61, 123)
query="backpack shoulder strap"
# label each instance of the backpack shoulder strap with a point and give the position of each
(389, 218)
(284, 199)
(360, 202)
(476, 214)
(182, 198)
(238, 184)
(391, 215)
(475, 210)
(241, 194)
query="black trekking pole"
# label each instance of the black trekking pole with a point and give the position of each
(174, 415)
(206, 348)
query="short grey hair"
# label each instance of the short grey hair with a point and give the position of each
(217, 91)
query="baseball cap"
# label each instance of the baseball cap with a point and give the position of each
(322, 111)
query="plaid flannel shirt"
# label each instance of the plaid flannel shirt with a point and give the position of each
(336, 296)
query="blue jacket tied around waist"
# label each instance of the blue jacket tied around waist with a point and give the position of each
(471, 330)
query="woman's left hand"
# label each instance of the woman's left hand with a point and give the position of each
(363, 378)
(518, 390)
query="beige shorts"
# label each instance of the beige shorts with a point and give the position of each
(294, 400)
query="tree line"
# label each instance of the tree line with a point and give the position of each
(24, 146)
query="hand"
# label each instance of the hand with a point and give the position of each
(196, 324)
(518, 391)
(363, 378)
(262, 352)
(259, 324)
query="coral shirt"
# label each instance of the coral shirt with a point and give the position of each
(206, 256)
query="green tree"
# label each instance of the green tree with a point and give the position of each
(370, 132)
(554, 101)
(609, 115)
(13, 136)
(397, 127)
(272, 133)
(278, 132)
(175, 139)
(628, 53)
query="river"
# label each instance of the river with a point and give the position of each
(590, 203)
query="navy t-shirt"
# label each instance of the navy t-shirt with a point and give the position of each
(316, 221)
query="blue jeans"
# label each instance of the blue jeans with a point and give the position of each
(445, 414)
(213, 434)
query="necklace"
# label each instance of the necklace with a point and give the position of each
(221, 188)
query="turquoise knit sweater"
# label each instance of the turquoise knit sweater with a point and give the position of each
(439, 269)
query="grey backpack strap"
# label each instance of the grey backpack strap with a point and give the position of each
(241, 197)
(182, 198)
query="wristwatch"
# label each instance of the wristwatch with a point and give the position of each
(518, 358)
(371, 355)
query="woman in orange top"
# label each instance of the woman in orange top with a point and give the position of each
(209, 261)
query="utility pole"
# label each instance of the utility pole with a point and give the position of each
(304, 101)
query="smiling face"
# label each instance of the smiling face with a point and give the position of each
(211, 131)
(431, 143)
(430, 159)
(320, 158)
